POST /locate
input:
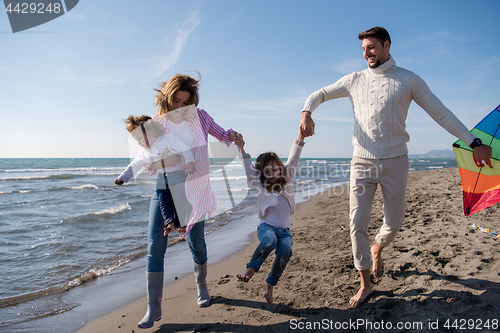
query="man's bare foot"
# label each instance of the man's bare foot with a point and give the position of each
(269, 293)
(377, 262)
(245, 277)
(360, 297)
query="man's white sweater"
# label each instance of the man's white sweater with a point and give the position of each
(380, 99)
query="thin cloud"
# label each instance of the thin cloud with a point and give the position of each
(352, 24)
(283, 107)
(182, 34)
(348, 66)
(238, 14)
(277, 108)
(85, 80)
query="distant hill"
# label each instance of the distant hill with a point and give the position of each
(444, 153)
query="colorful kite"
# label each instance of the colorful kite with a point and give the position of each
(480, 184)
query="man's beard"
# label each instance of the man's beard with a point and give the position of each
(374, 65)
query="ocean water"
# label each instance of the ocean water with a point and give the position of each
(64, 223)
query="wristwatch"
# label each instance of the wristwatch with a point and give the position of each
(476, 143)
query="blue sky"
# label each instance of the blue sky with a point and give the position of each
(67, 85)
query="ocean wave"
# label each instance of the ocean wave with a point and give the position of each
(79, 187)
(20, 191)
(64, 169)
(110, 211)
(243, 189)
(113, 210)
(96, 272)
(62, 176)
(215, 179)
(82, 187)
(303, 182)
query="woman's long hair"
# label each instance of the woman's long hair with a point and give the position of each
(178, 82)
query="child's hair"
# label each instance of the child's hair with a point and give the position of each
(151, 126)
(178, 82)
(260, 165)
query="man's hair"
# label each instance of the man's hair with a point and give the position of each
(376, 32)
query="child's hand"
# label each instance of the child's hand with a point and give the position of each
(118, 181)
(239, 142)
(300, 137)
(190, 168)
(180, 230)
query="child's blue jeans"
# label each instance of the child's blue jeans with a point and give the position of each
(272, 238)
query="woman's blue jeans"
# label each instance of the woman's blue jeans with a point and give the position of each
(157, 243)
(272, 238)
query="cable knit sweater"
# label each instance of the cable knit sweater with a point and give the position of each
(380, 99)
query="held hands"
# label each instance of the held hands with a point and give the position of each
(190, 168)
(306, 124)
(482, 155)
(240, 143)
(238, 140)
(236, 137)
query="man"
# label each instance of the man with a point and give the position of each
(380, 96)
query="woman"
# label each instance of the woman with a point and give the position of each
(191, 190)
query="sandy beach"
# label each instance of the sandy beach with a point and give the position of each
(440, 274)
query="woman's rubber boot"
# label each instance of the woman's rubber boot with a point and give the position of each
(200, 272)
(154, 283)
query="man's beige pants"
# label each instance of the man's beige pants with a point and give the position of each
(392, 175)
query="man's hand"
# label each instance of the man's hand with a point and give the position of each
(306, 124)
(482, 155)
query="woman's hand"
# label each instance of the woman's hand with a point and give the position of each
(237, 138)
(240, 143)
(233, 135)
(190, 168)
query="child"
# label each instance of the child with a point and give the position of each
(276, 203)
(152, 138)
